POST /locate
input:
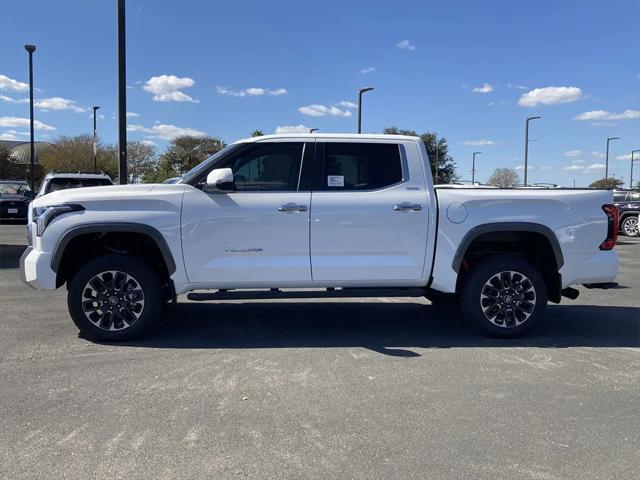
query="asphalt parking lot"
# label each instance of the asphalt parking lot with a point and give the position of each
(363, 389)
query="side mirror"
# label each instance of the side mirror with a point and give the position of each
(220, 180)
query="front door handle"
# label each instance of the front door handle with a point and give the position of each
(292, 207)
(405, 206)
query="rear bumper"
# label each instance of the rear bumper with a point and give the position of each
(599, 267)
(35, 269)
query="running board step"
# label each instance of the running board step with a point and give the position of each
(325, 293)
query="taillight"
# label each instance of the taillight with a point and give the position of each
(613, 217)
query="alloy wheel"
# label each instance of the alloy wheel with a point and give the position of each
(508, 299)
(112, 300)
(630, 227)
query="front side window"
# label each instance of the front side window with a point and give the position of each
(619, 196)
(267, 167)
(360, 166)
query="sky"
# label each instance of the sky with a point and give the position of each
(470, 70)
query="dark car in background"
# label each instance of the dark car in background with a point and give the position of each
(55, 181)
(15, 196)
(628, 203)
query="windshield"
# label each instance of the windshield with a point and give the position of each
(10, 188)
(203, 166)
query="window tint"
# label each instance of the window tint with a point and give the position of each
(64, 183)
(619, 196)
(360, 166)
(635, 197)
(267, 167)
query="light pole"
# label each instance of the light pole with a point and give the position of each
(526, 147)
(311, 130)
(473, 168)
(32, 165)
(122, 94)
(437, 159)
(360, 92)
(631, 176)
(95, 139)
(606, 163)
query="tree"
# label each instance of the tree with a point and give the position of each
(611, 183)
(504, 178)
(8, 168)
(182, 155)
(73, 154)
(141, 160)
(436, 148)
(257, 133)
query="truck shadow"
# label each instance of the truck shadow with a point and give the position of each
(10, 255)
(389, 328)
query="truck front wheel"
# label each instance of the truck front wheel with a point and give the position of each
(504, 295)
(114, 298)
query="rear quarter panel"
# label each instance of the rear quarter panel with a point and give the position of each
(575, 216)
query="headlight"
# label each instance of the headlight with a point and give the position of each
(44, 215)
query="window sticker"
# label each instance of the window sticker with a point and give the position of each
(335, 181)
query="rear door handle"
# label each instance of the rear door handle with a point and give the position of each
(404, 206)
(292, 207)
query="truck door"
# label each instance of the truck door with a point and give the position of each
(369, 214)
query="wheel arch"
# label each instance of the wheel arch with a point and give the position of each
(537, 238)
(147, 231)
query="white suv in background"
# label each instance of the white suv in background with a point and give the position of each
(63, 181)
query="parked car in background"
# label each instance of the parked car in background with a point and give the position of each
(15, 196)
(628, 202)
(62, 181)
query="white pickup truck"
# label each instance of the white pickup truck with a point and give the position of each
(317, 215)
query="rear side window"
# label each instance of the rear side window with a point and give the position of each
(360, 166)
(619, 196)
(267, 167)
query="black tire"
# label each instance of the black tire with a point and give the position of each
(519, 308)
(629, 226)
(133, 314)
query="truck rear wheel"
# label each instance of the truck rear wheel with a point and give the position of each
(114, 298)
(504, 295)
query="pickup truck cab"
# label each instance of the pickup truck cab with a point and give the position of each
(317, 215)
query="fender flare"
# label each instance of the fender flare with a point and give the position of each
(127, 227)
(475, 232)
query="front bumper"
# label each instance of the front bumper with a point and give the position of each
(35, 269)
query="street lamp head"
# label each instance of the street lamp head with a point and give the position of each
(613, 138)
(311, 130)
(30, 48)
(477, 153)
(532, 118)
(95, 107)
(365, 89)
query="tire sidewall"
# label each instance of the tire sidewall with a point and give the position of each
(140, 271)
(481, 273)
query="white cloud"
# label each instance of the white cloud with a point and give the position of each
(7, 83)
(405, 45)
(573, 168)
(594, 167)
(550, 96)
(627, 156)
(24, 123)
(316, 110)
(572, 153)
(597, 154)
(478, 143)
(58, 103)
(8, 136)
(132, 114)
(45, 104)
(292, 129)
(605, 115)
(166, 88)
(252, 92)
(485, 88)
(575, 162)
(546, 167)
(164, 131)
(347, 104)
(367, 70)
(517, 87)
